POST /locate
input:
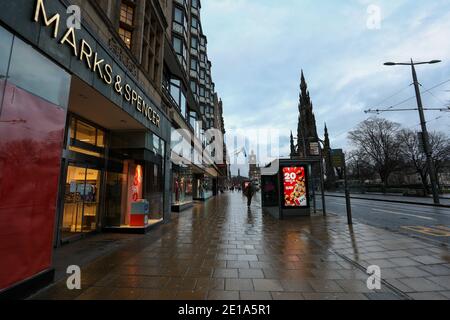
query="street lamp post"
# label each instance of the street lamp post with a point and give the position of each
(423, 122)
(322, 182)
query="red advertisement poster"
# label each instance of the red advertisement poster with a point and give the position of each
(294, 187)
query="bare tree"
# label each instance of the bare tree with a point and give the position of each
(415, 156)
(359, 166)
(376, 139)
(440, 146)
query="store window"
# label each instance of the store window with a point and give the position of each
(86, 133)
(203, 187)
(81, 131)
(135, 182)
(135, 178)
(81, 201)
(182, 188)
(157, 145)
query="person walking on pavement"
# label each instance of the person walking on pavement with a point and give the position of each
(249, 193)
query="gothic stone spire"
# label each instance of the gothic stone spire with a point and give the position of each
(293, 153)
(307, 122)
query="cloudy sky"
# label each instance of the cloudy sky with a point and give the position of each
(258, 48)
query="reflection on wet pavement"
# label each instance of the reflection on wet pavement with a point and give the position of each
(222, 250)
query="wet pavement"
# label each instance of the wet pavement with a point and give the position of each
(220, 250)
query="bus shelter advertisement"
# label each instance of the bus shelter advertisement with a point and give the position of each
(294, 181)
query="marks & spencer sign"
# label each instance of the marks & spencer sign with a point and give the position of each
(83, 51)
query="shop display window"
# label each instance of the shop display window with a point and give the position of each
(182, 187)
(153, 191)
(81, 201)
(203, 187)
(138, 181)
(206, 188)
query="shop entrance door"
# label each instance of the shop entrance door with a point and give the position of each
(81, 201)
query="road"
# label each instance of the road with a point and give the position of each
(430, 223)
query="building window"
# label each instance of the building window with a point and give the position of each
(152, 44)
(86, 133)
(177, 93)
(126, 14)
(195, 4)
(181, 51)
(194, 64)
(195, 23)
(178, 15)
(126, 37)
(194, 87)
(180, 18)
(194, 43)
(192, 118)
(126, 22)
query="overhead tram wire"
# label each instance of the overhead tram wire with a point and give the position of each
(409, 99)
(382, 101)
(433, 120)
(394, 95)
(436, 98)
(400, 103)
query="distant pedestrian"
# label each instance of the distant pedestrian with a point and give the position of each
(249, 193)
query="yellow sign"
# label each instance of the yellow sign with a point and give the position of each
(82, 50)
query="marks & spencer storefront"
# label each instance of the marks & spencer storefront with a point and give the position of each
(83, 147)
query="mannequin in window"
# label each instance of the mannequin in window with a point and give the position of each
(177, 191)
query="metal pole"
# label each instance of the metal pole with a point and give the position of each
(313, 189)
(347, 195)
(426, 138)
(322, 183)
